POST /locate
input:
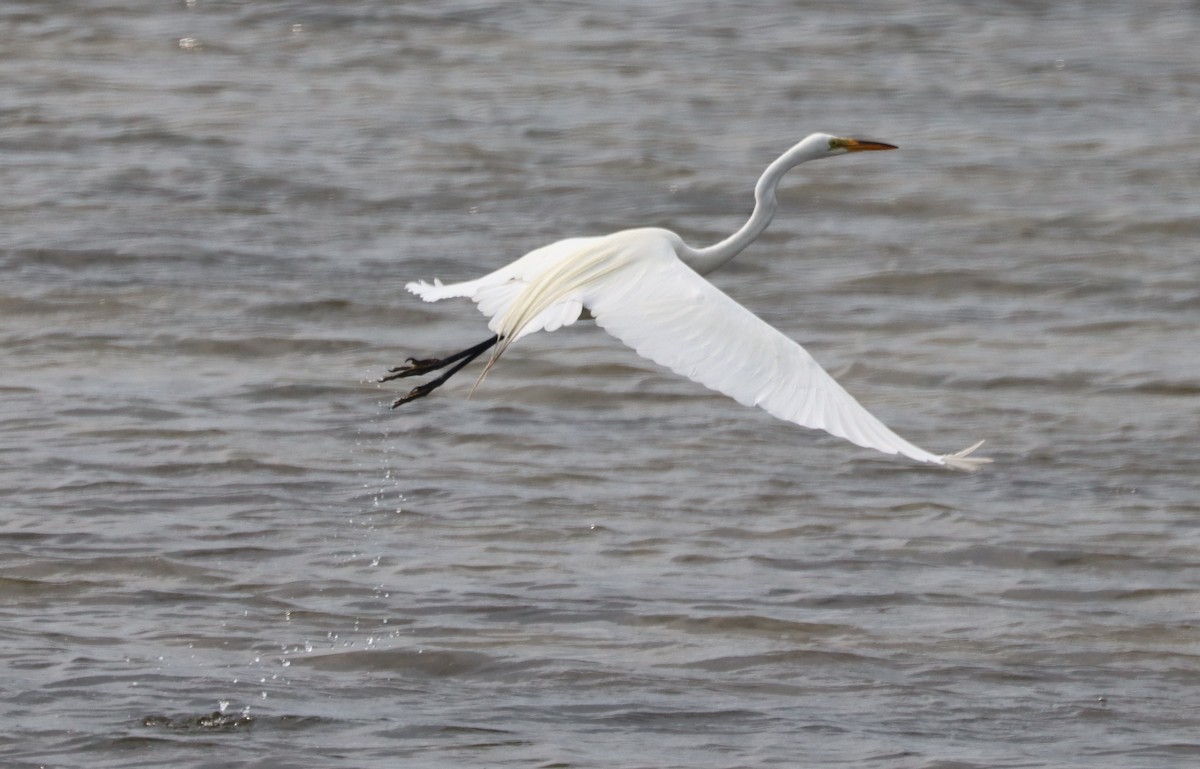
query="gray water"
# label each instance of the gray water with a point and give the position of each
(219, 547)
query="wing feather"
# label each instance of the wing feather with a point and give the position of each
(668, 313)
(495, 293)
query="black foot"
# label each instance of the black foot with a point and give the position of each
(418, 366)
(420, 391)
(414, 367)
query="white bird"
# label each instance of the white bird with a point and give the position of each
(643, 286)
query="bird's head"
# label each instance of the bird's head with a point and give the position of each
(840, 145)
(826, 145)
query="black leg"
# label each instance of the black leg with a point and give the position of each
(414, 367)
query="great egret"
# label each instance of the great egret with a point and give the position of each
(643, 286)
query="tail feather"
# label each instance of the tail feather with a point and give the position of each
(961, 461)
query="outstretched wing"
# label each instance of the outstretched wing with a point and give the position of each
(668, 313)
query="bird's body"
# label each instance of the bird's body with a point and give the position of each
(644, 286)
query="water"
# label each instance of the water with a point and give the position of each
(220, 548)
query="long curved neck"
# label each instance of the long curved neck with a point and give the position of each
(705, 260)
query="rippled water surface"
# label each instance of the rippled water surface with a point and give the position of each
(219, 547)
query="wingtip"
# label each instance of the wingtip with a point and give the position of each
(961, 460)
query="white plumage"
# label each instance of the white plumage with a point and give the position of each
(644, 287)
